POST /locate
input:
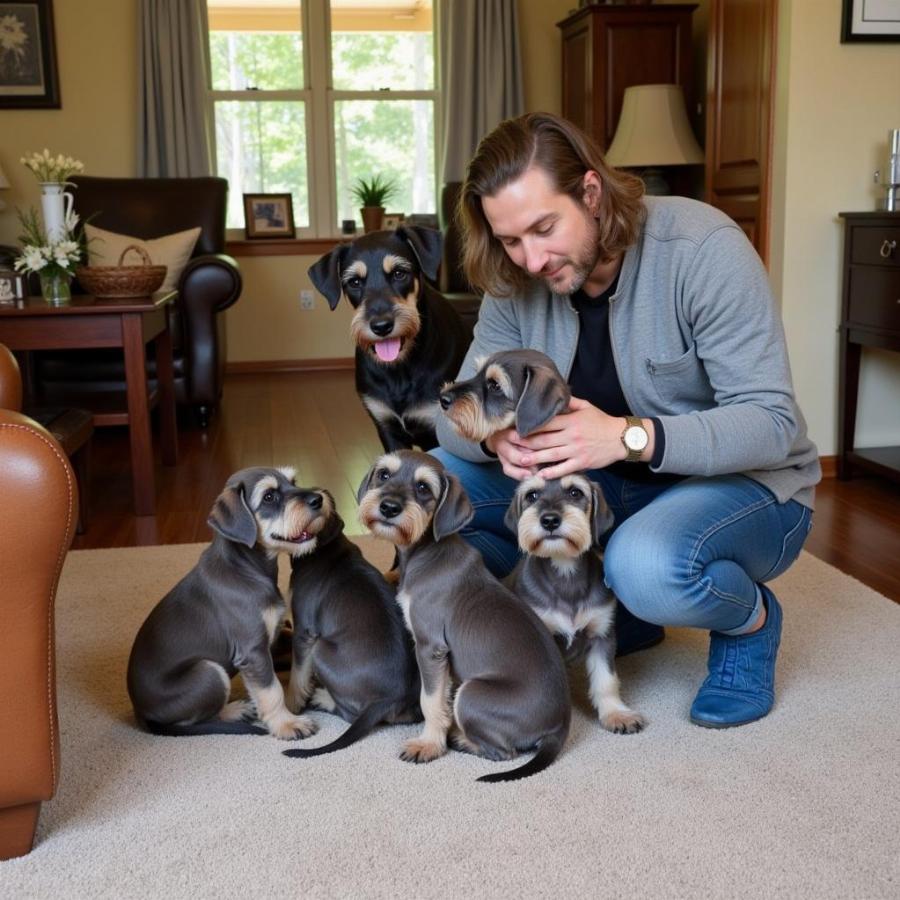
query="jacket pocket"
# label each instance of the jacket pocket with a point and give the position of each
(681, 383)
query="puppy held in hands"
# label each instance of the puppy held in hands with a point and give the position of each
(222, 617)
(513, 388)
(492, 677)
(559, 523)
(352, 654)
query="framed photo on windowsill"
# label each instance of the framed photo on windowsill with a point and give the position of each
(870, 21)
(28, 73)
(268, 216)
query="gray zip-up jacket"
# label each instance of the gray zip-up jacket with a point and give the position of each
(698, 343)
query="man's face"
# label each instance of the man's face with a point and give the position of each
(544, 232)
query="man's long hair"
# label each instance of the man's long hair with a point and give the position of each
(564, 153)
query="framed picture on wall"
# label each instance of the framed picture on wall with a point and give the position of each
(28, 73)
(870, 21)
(268, 216)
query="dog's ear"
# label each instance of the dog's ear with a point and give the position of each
(231, 517)
(365, 484)
(426, 243)
(545, 396)
(335, 524)
(602, 518)
(454, 510)
(513, 513)
(326, 275)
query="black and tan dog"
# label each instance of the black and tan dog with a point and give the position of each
(471, 633)
(559, 523)
(409, 339)
(221, 618)
(348, 638)
(521, 388)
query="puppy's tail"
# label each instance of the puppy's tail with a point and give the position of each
(209, 726)
(548, 750)
(361, 726)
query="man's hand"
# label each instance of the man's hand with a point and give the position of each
(582, 438)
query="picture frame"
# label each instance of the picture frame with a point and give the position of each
(12, 286)
(392, 220)
(29, 76)
(870, 21)
(268, 216)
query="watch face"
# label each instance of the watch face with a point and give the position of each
(636, 438)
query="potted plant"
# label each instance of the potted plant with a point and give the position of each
(372, 194)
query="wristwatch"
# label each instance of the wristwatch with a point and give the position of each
(634, 438)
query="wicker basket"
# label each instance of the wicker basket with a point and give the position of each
(122, 281)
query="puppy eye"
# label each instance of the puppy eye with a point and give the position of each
(269, 496)
(576, 493)
(355, 282)
(399, 275)
(382, 474)
(423, 489)
(493, 385)
(531, 496)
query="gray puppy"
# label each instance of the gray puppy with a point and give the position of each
(512, 695)
(221, 618)
(559, 523)
(514, 387)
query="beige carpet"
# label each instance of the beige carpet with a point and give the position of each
(805, 803)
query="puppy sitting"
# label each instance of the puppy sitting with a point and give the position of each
(511, 690)
(409, 339)
(559, 523)
(513, 387)
(349, 636)
(221, 619)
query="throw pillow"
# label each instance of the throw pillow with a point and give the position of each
(172, 251)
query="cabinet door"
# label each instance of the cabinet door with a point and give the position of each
(740, 84)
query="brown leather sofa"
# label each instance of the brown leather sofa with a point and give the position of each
(38, 499)
(211, 282)
(452, 280)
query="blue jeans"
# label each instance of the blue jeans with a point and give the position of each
(689, 553)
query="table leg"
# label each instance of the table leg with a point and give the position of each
(138, 415)
(848, 394)
(165, 377)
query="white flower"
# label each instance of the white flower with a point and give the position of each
(33, 259)
(67, 247)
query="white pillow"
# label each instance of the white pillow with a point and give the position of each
(172, 251)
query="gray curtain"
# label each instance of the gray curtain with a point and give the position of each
(174, 137)
(481, 75)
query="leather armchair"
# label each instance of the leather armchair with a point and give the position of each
(37, 521)
(453, 284)
(211, 282)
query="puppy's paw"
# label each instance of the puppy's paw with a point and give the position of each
(418, 750)
(292, 728)
(296, 700)
(321, 699)
(238, 711)
(623, 721)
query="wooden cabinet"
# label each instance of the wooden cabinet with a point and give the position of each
(870, 317)
(606, 49)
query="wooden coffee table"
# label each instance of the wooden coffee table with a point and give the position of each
(89, 322)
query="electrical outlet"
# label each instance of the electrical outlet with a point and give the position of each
(307, 300)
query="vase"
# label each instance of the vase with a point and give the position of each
(56, 287)
(56, 205)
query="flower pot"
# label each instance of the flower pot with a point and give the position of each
(56, 287)
(373, 218)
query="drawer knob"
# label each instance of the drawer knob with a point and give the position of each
(887, 248)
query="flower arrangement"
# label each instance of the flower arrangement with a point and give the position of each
(50, 169)
(53, 261)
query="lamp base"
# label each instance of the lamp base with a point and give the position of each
(654, 183)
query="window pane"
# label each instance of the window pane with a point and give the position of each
(255, 45)
(391, 46)
(261, 148)
(391, 138)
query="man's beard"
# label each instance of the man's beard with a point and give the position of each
(583, 263)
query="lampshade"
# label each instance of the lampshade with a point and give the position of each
(653, 129)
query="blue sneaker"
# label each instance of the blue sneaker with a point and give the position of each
(633, 634)
(740, 687)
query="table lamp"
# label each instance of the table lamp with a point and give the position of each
(653, 131)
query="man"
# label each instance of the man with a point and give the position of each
(659, 314)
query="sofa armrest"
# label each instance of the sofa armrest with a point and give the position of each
(213, 281)
(10, 381)
(37, 522)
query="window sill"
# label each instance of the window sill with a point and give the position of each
(282, 246)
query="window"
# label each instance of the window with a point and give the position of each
(309, 95)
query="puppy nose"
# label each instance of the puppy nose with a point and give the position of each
(314, 501)
(390, 508)
(382, 327)
(550, 521)
(446, 400)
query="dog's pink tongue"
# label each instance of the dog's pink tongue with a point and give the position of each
(388, 350)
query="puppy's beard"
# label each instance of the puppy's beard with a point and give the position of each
(402, 530)
(295, 530)
(467, 416)
(407, 325)
(569, 541)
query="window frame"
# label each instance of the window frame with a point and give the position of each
(319, 98)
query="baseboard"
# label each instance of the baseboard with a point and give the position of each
(829, 466)
(262, 366)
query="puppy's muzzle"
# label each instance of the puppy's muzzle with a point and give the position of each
(550, 521)
(390, 508)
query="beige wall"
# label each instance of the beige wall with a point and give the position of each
(835, 104)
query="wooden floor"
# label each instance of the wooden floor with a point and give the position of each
(314, 422)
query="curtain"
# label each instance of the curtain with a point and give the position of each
(174, 138)
(481, 76)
